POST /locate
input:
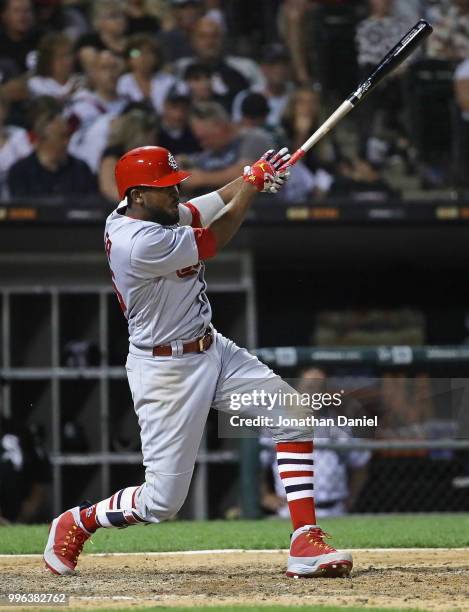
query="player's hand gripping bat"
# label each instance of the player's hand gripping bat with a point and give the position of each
(414, 37)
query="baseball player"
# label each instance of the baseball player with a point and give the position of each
(178, 365)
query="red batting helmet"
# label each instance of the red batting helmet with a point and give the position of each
(147, 167)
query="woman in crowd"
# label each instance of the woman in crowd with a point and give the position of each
(110, 25)
(136, 128)
(54, 74)
(300, 119)
(145, 81)
(100, 96)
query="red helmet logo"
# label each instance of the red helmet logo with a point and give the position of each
(147, 167)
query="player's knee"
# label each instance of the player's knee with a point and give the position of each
(164, 502)
(163, 508)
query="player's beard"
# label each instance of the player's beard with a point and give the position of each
(164, 217)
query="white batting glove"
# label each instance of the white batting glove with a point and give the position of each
(282, 174)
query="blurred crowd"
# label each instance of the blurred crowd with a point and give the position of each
(217, 83)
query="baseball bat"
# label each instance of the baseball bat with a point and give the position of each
(394, 58)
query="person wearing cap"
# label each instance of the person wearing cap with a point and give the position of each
(50, 171)
(276, 69)
(175, 133)
(175, 37)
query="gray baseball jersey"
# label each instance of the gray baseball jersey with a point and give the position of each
(158, 278)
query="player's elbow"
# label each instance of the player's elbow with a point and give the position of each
(207, 244)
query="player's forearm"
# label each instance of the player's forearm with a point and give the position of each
(264, 175)
(228, 192)
(211, 204)
(225, 226)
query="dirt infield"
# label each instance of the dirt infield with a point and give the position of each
(431, 580)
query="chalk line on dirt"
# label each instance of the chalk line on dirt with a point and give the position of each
(228, 551)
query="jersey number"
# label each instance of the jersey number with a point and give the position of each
(107, 247)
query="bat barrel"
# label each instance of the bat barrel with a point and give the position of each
(398, 54)
(394, 58)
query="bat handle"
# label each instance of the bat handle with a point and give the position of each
(297, 155)
(333, 120)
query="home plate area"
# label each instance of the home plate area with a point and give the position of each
(436, 579)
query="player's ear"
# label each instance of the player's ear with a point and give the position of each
(137, 196)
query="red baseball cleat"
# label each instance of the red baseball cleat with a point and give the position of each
(310, 556)
(65, 543)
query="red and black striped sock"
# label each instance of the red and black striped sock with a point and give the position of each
(295, 466)
(119, 510)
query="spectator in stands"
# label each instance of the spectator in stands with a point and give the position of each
(214, 11)
(54, 74)
(450, 39)
(146, 80)
(140, 19)
(177, 32)
(18, 38)
(293, 18)
(410, 10)
(300, 119)
(14, 145)
(461, 124)
(54, 16)
(226, 148)
(100, 98)
(175, 133)
(39, 106)
(50, 171)
(110, 23)
(25, 473)
(230, 74)
(89, 144)
(319, 37)
(461, 85)
(198, 84)
(378, 33)
(303, 183)
(360, 180)
(254, 112)
(379, 117)
(136, 128)
(275, 66)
